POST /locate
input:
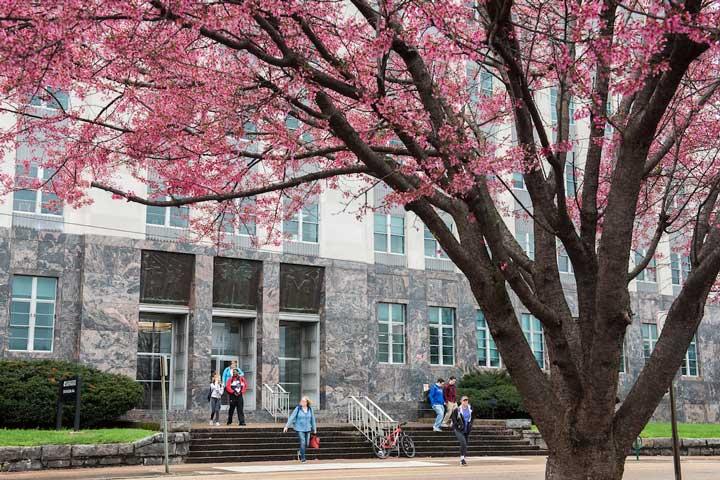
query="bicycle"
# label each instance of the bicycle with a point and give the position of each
(397, 439)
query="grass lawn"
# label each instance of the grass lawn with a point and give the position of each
(28, 438)
(685, 430)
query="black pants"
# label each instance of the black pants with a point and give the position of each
(463, 439)
(236, 402)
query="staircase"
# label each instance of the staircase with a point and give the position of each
(259, 444)
(488, 438)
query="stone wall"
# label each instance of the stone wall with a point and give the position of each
(98, 311)
(688, 447)
(147, 451)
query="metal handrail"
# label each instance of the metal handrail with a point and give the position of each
(276, 401)
(369, 418)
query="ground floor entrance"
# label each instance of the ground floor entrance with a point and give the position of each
(234, 339)
(299, 360)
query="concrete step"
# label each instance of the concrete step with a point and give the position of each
(265, 444)
(280, 457)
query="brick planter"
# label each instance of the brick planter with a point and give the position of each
(146, 451)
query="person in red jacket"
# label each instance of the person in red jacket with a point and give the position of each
(235, 387)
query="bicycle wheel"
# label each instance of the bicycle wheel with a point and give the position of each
(407, 445)
(379, 448)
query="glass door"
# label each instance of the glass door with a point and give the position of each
(290, 359)
(154, 346)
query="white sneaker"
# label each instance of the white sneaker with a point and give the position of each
(211, 422)
(217, 424)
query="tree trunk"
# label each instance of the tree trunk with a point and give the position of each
(587, 462)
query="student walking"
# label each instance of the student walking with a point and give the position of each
(216, 391)
(461, 422)
(437, 402)
(450, 393)
(235, 387)
(302, 420)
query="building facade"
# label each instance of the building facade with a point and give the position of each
(346, 305)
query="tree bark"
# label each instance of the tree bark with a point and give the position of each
(602, 461)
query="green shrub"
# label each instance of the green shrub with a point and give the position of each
(482, 387)
(29, 391)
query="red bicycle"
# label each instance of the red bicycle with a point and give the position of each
(395, 440)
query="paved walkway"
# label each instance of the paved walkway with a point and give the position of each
(480, 468)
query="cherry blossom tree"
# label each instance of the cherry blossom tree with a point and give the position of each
(211, 102)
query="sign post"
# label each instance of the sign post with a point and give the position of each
(163, 375)
(69, 391)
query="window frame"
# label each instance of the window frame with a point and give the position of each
(527, 243)
(391, 322)
(167, 216)
(387, 233)
(439, 252)
(685, 367)
(300, 217)
(33, 301)
(651, 267)
(530, 335)
(441, 328)
(681, 265)
(38, 203)
(649, 340)
(517, 182)
(489, 343)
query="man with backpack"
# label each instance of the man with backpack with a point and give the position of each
(437, 402)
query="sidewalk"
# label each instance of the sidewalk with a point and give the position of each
(480, 468)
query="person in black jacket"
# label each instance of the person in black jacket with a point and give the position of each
(461, 422)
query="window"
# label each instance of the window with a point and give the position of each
(623, 367)
(442, 335)
(679, 268)
(532, 328)
(176, 217)
(391, 341)
(649, 338)
(154, 347)
(564, 265)
(389, 233)
(690, 363)
(51, 98)
(649, 273)
(303, 226)
(486, 83)
(31, 200)
(571, 111)
(432, 246)
(232, 224)
(487, 352)
(518, 181)
(570, 179)
(32, 313)
(527, 242)
(553, 105)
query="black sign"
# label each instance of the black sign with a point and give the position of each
(69, 391)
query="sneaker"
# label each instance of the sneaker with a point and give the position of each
(217, 424)
(211, 422)
(437, 429)
(242, 424)
(303, 461)
(298, 454)
(463, 463)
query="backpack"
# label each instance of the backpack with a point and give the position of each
(209, 393)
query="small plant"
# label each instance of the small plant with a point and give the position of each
(492, 395)
(30, 389)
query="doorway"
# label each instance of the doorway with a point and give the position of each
(299, 360)
(233, 339)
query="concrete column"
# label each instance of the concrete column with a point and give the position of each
(200, 334)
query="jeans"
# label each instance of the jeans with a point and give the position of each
(214, 409)
(440, 413)
(304, 438)
(462, 438)
(236, 402)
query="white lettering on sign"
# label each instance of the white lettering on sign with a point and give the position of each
(69, 383)
(70, 390)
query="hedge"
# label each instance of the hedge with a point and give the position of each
(483, 387)
(29, 390)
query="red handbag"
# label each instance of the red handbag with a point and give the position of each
(314, 441)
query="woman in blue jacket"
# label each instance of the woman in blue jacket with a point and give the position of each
(302, 420)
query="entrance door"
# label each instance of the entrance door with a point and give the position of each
(233, 339)
(299, 360)
(162, 337)
(291, 360)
